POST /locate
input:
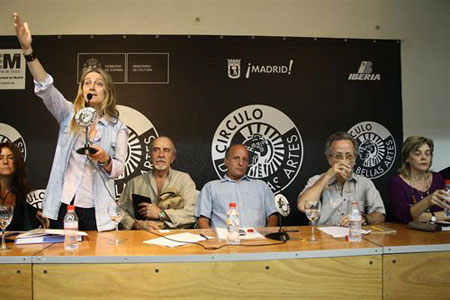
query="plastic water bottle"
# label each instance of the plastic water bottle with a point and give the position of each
(447, 189)
(70, 229)
(233, 225)
(354, 230)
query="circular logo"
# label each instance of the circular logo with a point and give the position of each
(11, 135)
(141, 134)
(376, 150)
(272, 139)
(35, 198)
(86, 117)
(282, 205)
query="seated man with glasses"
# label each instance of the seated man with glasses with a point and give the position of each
(337, 188)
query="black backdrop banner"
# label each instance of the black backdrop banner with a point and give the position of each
(281, 97)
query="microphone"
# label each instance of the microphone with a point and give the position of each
(283, 208)
(85, 117)
(88, 97)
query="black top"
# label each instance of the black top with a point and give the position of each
(24, 217)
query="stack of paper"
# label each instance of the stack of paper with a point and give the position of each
(178, 239)
(248, 233)
(38, 236)
(339, 232)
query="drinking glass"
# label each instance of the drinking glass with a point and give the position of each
(116, 214)
(312, 210)
(6, 214)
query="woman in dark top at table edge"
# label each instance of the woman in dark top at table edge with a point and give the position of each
(14, 188)
(416, 193)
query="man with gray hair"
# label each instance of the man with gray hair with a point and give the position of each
(253, 197)
(337, 188)
(169, 195)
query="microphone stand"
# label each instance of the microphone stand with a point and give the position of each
(87, 148)
(281, 235)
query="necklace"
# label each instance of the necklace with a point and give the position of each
(422, 194)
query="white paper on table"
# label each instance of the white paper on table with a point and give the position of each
(181, 239)
(338, 231)
(444, 224)
(247, 233)
(221, 233)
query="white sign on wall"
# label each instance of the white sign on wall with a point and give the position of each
(12, 69)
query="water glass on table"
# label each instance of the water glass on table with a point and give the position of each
(312, 210)
(116, 214)
(6, 214)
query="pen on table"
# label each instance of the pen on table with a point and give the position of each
(377, 229)
(204, 236)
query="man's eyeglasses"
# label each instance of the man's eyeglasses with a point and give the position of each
(340, 156)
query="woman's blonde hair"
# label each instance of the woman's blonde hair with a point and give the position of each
(411, 144)
(108, 106)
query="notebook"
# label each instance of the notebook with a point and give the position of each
(137, 199)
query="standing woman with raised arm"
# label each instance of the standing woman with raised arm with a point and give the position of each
(87, 181)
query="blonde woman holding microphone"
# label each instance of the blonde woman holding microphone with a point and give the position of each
(86, 181)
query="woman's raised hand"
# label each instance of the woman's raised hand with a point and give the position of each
(23, 34)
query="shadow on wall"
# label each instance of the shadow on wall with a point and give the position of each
(446, 173)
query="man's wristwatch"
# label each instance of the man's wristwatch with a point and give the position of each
(162, 215)
(433, 217)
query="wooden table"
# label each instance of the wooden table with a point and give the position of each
(298, 268)
(416, 264)
(410, 264)
(16, 270)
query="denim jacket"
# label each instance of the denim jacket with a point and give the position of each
(66, 139)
